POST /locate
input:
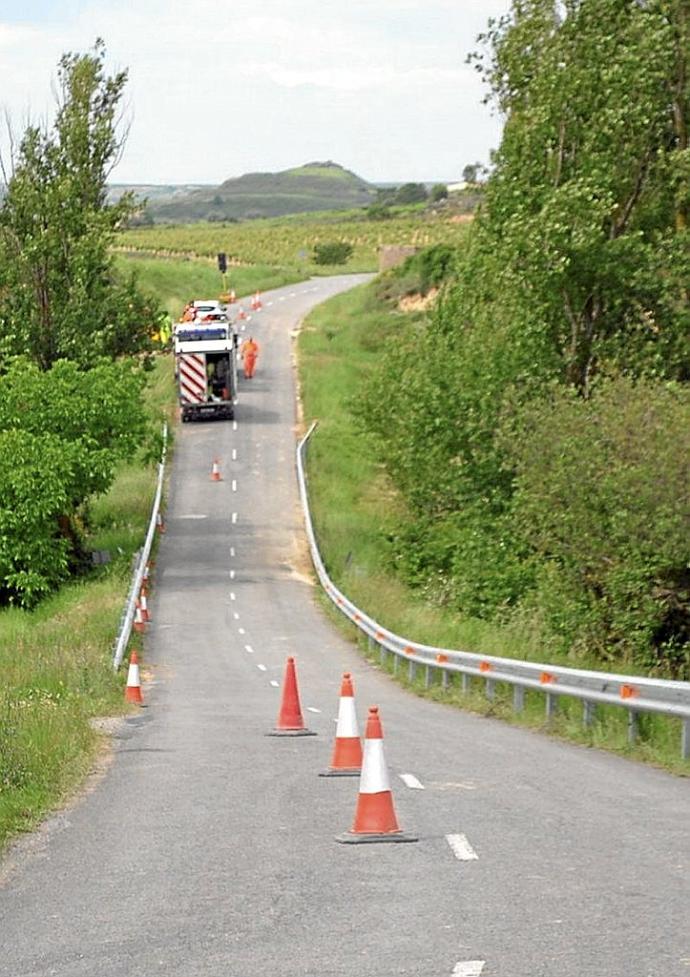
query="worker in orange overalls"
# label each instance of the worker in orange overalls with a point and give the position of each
(250, 353)
(188, 314)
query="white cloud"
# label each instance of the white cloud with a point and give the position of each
(218, 89)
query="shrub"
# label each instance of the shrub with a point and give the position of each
(332, 253)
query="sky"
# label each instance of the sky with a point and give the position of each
(218, 88)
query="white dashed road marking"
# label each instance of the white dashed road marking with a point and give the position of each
(312, 709)
(234, 425)
(249, 649)
(234, 485)
(261, 668)
(410, 780)
(276, 685)
(232, 551)
(232, 595)
(236, 615)
(193, 515)
(234, 454)
(232, 574)
(468, 968)
(461, 848)
(241, 631)
(234, 517)
(269, 303)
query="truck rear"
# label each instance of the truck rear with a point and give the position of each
(206, 369)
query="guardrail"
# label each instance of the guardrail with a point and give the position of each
(632, 692)
(141, 559)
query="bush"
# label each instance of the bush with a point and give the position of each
(601, 498)
(332, 253)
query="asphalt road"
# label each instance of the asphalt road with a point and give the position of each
(208, 848)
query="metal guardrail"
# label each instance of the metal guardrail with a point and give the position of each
(632, 692)
(141, 559)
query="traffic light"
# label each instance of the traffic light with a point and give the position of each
(222, 262)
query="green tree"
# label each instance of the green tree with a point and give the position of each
(411, 193)
(332, 252)
(439, 191)
(59, 293)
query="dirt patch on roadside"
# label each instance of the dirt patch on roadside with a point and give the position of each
(417, 302)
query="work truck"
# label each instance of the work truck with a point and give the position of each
(206, 366)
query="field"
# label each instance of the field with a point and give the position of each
(287, 243)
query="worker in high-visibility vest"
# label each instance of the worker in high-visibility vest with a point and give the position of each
(250, 353)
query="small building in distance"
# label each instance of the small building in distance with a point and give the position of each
(391, 255)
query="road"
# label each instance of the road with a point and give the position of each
(208, 849)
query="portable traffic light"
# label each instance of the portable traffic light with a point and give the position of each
(222, 262)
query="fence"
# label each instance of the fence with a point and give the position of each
(632, 692)
(141, 559)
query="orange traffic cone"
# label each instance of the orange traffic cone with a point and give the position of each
(290, 721)
(241, 314)
(256, 302)
(139, 623)
(144, 606)
(160, 523)
(133, 687)
(347, 749)
(233, 297)
(375, 818)
(215, 472)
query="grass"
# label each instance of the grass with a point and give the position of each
(175, 281)
(356, 508)
(55, 661)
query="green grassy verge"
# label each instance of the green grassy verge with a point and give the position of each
(355, 509)
(55, 661)
(175, 281)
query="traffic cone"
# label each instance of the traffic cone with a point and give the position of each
(290, 721)
(160, 522)
(144, 607)
(375, 818)
(133, 687)
(215, 472)
(241, 314)
(346, 760)
(256, 302)
(139, 623)
(233, 297)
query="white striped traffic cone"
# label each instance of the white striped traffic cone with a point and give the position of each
(160, 522)
(241, 314)
(215, 471)
(346, 760)
(133, 687)
(139, 623)
(256, 302)
(144, 607)
(375, 818)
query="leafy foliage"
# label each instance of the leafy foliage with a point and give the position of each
(59, 294)
(332, 252)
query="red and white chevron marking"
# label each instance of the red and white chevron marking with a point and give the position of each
(192, 367)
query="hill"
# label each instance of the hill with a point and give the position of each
(314, 186)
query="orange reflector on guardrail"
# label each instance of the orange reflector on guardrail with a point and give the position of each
(546, 678)
(408, 650)
(629, 692)
(379, 635)
(485, 666)
(441, 658)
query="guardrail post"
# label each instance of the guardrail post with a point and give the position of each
(632, 726)
(444, 678)
(411, 671)
(427, 676)
(587, 713)
(685, 740)
(550, 705)
(465, 683)
(490, 689)
(382, 654)
(396, 658)
(518, 698)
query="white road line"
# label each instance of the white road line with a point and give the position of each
(236, 615)
(234, 454)
(193, 515)
(234, 425)
(232, 574)
(243, 327)
(276, 685)
(234, 484)
(461, 848)
(269, 304)
(468, 968)
(232, 595)
(248, 648)
(312, 709)
(411, 781)
(249, 318)
(234, 517)
(241, 631)
(261, 668)
(282, 298)
(232, 551)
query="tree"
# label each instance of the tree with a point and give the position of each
(60, 295)
(439, 191)
(411, 193)
(470, 172)
(332, 252)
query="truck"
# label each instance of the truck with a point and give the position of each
(206, 367)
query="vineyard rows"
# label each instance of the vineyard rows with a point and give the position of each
(272, 242)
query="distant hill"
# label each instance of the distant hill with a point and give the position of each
(315, 186)
(153, 191)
